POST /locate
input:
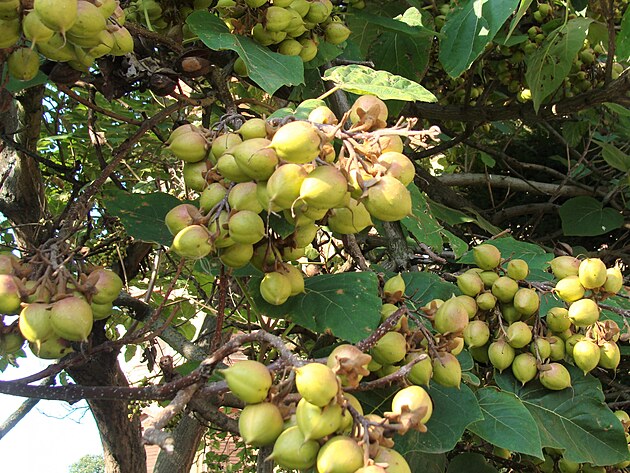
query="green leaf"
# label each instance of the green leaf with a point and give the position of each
(364, 80)
(268, 69)
(346, 304)
(506, 423)
(470, 463)
(468, 29)
(458, 245)
(548, 66)
(421, 223)
(614, 156)
(623, 38)
(142, 214)
(326, 52)
(410, 23)
(402, 54)
(14, 85)
(575, 419)
(422, 288)
(586, 216)
(520, 13)
(420, 461)
(453, 410)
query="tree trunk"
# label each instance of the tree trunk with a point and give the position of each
(187, 436)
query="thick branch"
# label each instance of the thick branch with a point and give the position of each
(21, 412)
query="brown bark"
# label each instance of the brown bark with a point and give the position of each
(186, 437)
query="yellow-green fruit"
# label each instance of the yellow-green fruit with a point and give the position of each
(316, 383)
(388, 200)
(236, 255)
(347, 421)
(614, 280)
(470, 284)
(486, 301)
(10, 298)
(569, 289)
(87, 25)
(192, 242)
(71, 318)
(394, 287)
(218, 228)
(390, 349)
(556, 345)
(277, 18)
(526, 301)
(487, 256)
(255, 158)
(336, 32)
(476, 333)
(446, 370)
(567, 466)
(10, 343)
(488, 277)
(297, 142)
(504, 289)
(399, 166)
(421, 372)
(558, 319)
(58, 15)
(571, 341)
(9, 33)
(190, 147)
(451, 317)
(510, 314)
(295, 277)
(517, 269)
(324, 187)
(243, 197)
(519, 334)
(413, 398)
(340, 454)
(350, 219)
(586, 355)
(194, 175)
(260, 424)
(248, 380)
(365, 104)
(501, 354)
(609, 355)
(246, 227)
(292, 451)
(592, 273)
(106, 285)
(541, 348)
(23, 64)
(396, 463)
(290, 47)
(584, 312)
(283, 187)
(123, 41)
(211, 196)
(229, 169)
(554, 376)
(317, 422)
(275, 288)
(309, 49)
(9, 9)
(35, 322)
(51, 349)
(101, 311)
(565, 266)
(224, 142)
(469, 303)
(323, 115)
(524, 367)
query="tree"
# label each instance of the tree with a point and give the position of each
(89, 464)
(193, 149)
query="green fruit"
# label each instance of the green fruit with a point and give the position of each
(486, 256)
(35, 322)
(488, 278)
(248, 380)
(323, 115)
(541, 348)
(614, 280)
(106, 285)
(260, 424)
(447, 371)
(399, 166)
(10, 297)
(340, 454)
(88, 24)
(292, 451)
(236, 255)
(567, 466)
(71, 318)
(194, 175)
(324, 187)
(592, 273)
(554, 376)
(316, 383)
(451, 317)
(388, 200)
(517, 269)
(277, 18)
(229, 169)
(295, 277)
(101, 311)
(267, 37)
(519, 334)
(246, 227)
(254, 128)
(192, 242)
(283, 186)
(34, 30)
(190, 147)
(524, 367)
(275, 288)
(569, 289)
(413, 398)
(58, 15)
(571, 341)
(586, 355)
(396, 463)
(228, 140)
(370, 107)
(211, 196)
(123, 41)
(476, 333)
(304, 234)
(504, 289)
(557, 350)
(565, 266)
(609, 355)
(255, 159)
(470, 284)
(336, 32)
(8, 263)
(558, 319)
(317, 422)
(255, 3)
(394, 287)
(390, 349)
(51, 349)
(9, 33)
(318, 12)
(349, 220)
(9, 9)
(421, 372)
(501, 354)
(10, 343)
(486, 301)
(526, 301)
(470, 304)
(584, 312)
(290, 47)
(510, 314)
(218, 228)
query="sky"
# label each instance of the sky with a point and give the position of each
(51, 437)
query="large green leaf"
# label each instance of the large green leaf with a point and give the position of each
(575, 419)
(385, 85)
(614, 156)
(422, 288)
(421, 223)
(142, 214)
(470, 463)
(551, 63)
(453, 410)
(346, 304)
(506, 422)
(586, 216)
(421, 461)
(468, 29)
(409, 23)
(268, 69)
(623, 38)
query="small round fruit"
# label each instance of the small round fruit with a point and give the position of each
(396, 463)
(325, 187)
(35, 322)
(316, 383)
(517, 269)
(297, 142)
(504, 288)
(526, 301)
(470, 284)
(390, 349)
(609, 355)
(486, 256)
(340, 454)
(248, 380)
(558, 319)
(451, 317)
(614, 280)
(23, 64)
(584, 312)
(447, 371)
(317, 422)
(569, 289)
(192, 242)
(421, 372)
(476, 333)
(586, 355)
(554, 376)
(501, 354)
(556, 345)
(394, 287)
(524, 367)
(260, 424)
(275, 288)
(413, 398)
(565, 266)
(388, 200)
(519, 334)
(292, 451)
(71, 318)
(592, 273)
(10, 297)
(368, 104)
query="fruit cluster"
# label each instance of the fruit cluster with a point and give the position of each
(55, 308)
(504, 327)
(73, 31)
(290, 171)
(327, 429)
